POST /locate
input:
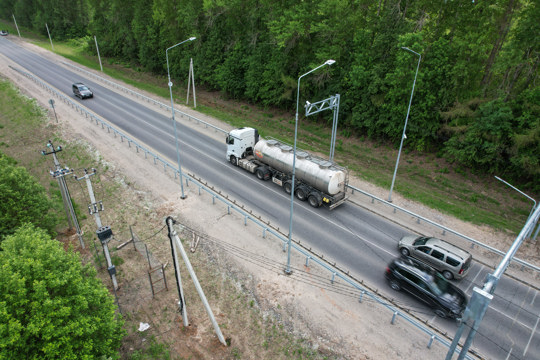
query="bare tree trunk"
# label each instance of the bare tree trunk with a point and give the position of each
(517, 72)
(503, 31)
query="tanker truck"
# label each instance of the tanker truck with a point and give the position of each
(317, 180)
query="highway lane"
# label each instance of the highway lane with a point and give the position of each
(355, 238)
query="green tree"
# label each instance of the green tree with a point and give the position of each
(525, 149)
(472, 53)
(22, 200)
(52, 307)
(486, 141)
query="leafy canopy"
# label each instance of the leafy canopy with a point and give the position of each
(22, 200)
(51, 306)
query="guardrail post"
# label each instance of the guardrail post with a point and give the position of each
(245, 220)
(307, 260)
(333, 277)
(361, 296)
(394, 317)
(264, 233)
(430, 341)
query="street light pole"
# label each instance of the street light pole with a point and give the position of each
(403, 136)
(479, 303)
(528, 197)
(288, 269)
(172, 111)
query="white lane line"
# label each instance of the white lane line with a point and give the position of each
(511, 318)
(532, 335)
(254, 179)
(473, 280)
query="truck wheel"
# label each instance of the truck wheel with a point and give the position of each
(233, 160)
(260, 173)
(301, 193)
(287, 187)
(315, 200)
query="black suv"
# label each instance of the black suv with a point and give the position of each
(427, 285)
(82, 91)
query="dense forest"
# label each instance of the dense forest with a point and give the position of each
(476, 99)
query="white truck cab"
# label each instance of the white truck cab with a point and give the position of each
(240, 143)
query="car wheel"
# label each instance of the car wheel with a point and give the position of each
(233, 160)
(448, 275)
(395, 285)
(441, 313)
(404, 252)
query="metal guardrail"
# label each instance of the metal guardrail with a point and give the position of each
(395, 207)
(248, 215)
(444, 229)
(144, 97)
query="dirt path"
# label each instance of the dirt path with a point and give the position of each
(336, 322)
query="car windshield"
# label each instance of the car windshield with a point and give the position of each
(438, 284)
(83, 87)
(420, 241)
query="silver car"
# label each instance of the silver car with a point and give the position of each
(450, 260)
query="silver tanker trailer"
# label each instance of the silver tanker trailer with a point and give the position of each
(317, 180)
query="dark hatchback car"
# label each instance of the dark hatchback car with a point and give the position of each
(427, 285)
(82, 91)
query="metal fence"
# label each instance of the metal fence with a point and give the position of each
(156, 270)
(249, 216)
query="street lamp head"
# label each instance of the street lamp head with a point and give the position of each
(192, 38)
(330, 62)
(414, 52)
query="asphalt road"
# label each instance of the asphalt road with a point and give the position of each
(357, 239)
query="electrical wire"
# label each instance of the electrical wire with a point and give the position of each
(157, 232)
(317, 280)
